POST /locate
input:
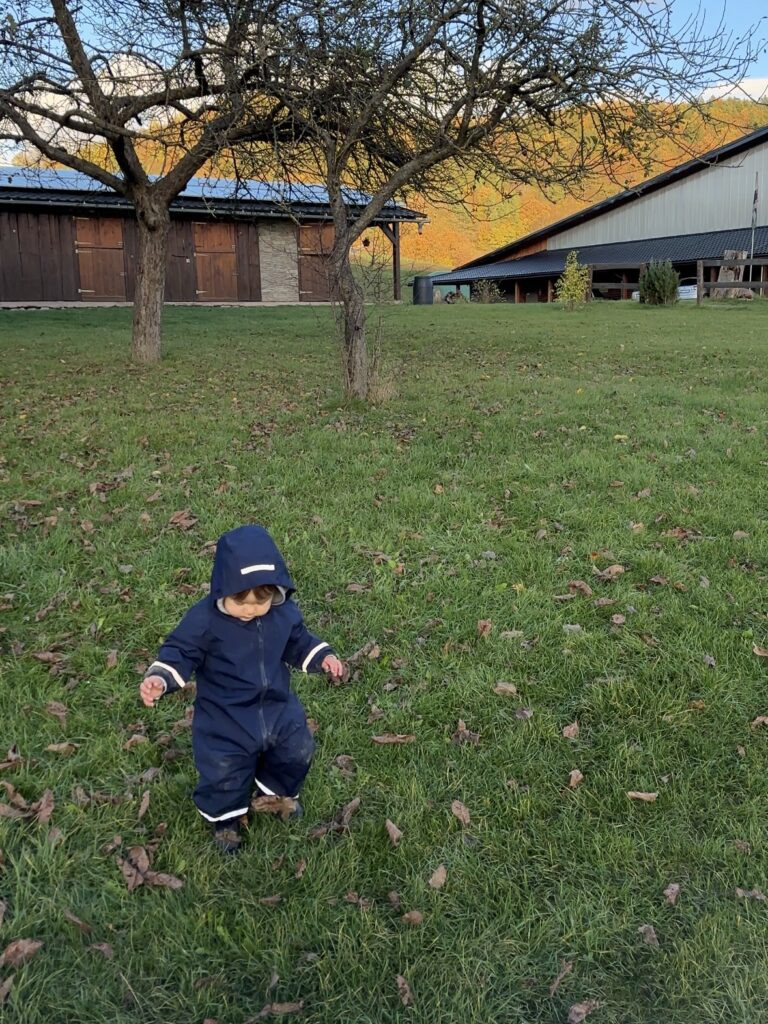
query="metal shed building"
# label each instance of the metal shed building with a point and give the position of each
(695, 211)
(65, 238)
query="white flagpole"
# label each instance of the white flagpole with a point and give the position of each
(754, 222)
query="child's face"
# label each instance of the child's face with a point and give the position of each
(249, 604)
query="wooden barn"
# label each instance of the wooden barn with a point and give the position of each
(64, 238)
(691, 214)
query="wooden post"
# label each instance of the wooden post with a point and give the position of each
(588, 296)
(396, 261)
(699, 282)
(517, 292)
(550, 290)
(623, 286)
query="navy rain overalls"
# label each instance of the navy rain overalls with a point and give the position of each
(248, 726)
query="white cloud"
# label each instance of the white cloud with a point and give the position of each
(747, 89)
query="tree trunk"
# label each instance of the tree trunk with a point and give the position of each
(354, 348)
(153, 227)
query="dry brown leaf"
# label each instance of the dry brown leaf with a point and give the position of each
(461, 812)
(406, 996)
(672, 892)
(438, 877)
(757, 722)
(284, 806)
(62, 748)
(393, 832)
(112, 659)
(160, 878)
(144, 805)
(612, 572)
(618, 620)
(112, 845)
(270, 901)
(647, 798)
(523, 714)
(346, 765)
(580, 1011)
(565, 969)
(134, 867)
(571, 732)
(18, 952)
(761, 652)
(394, 737)
(575, 778)
(135, 740)
(11, 758)
(484, 627)
(276, 1010)
(5, 988)
(580, 587)
(464, 735)
(751, 894)
(183, 519)
(741, 845)
(43, 807)
(649, 935)
(394, 899)
(413, 917)
(58, 710)
(740, 534)
(85, 928)
(3, 908)
(104, 948)
(301, 867)
(505, 689)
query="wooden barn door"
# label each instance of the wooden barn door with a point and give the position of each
(315, 279)
(215, 262)
(100, 258)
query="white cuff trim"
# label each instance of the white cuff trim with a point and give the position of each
(311, 655)
(256, 568)
(225, 817)
(265, 789)
(168, 668)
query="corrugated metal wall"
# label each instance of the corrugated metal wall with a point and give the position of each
(715, 199)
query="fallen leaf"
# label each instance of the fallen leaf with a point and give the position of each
(43, 808)
(580, 587)
(645, 493)
(58, 710)
(760, 720)
(761, 652)
(144, 805)
(741, 845)
(464, 735)
(484, 627)
(135, 740)
(505, 689)
(346, 765)
(413, 917)
(183, 519)
(134, 867)
(284, 806)
(618, 620)
(740, 535)
(660, 581)
(580, 1011)
(160, 878)
(394, 737)
(301, 867)
(709, 661)
(270, 901)
(648, 933)
(276, 1010)
(571, 732)
(438, 877)
(541, 535)
(461, 812)
(751, 894)
(18, 952)
(112, 659)
(603, 602)
(565, 969)
(394, 832)
(672, 892)
(647, 798)
(5, 988)
(575, 778)
(524, 714)
(612, 572)
(112, 845)
(11, 758)
(572, 628)
(62, 748)
(86, 929)
(406, 996)
(104, 948)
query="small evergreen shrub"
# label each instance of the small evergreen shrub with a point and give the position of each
(572, 287)
(659, 284)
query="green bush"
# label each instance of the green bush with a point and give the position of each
(572, 287)
(659, 284)
(486, 291)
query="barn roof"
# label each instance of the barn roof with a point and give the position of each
(38, 188)
(645, 188)
(709, 245)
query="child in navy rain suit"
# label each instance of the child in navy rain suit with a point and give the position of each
(239, 642)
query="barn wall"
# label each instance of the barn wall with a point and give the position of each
(716, 198)
(278, 251)
(37, 258)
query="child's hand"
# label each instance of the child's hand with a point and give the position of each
(333, 667)
(152, 689)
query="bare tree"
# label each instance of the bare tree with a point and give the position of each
(151, 83)
(394, 95)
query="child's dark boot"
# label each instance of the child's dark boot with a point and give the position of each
(227, 835)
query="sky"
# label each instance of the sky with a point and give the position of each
(740, 17)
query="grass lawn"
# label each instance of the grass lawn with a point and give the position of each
(520, 450)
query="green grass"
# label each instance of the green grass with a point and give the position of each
(524, 417)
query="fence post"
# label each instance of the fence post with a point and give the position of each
(699, 281)
(591, 270)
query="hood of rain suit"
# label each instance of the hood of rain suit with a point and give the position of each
(247, 557)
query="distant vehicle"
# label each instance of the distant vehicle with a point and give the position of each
(684, 291)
